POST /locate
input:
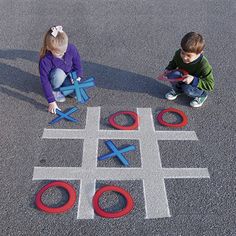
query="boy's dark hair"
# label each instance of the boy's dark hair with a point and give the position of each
(193, 42)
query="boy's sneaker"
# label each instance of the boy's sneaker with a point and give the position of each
(172, 95)
(198, 101)
(59, 97)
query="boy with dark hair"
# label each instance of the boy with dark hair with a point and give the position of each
(199, 78)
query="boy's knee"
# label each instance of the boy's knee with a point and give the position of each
(187, 89)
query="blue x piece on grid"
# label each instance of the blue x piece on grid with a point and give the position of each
(66, 116)
(116, 152)
(79, 88)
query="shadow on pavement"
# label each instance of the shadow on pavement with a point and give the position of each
(106, 77)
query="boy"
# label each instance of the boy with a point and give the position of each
(200, 78)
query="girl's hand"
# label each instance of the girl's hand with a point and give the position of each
(188, 79)
(72, 81)
(52, 107)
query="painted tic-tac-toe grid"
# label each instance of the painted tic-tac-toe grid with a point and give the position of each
(151, 171)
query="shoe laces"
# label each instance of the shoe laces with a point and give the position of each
(59, 94)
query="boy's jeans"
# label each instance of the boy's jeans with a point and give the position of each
(188, 89)
(58, 78)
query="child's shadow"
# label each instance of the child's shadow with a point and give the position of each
(19, 84)
(115, 79)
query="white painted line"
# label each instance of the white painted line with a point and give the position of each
(77, 173)
(87, 191)
(119, 134)
(178, 173)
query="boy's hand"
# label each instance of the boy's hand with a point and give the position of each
(163, 74)
(52, 107)
(188, 79)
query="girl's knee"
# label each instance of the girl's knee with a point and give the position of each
(57, 77)
(57, 73)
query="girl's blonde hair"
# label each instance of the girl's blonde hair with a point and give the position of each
(51, 43)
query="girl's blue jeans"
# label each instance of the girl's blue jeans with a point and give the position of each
(58, 78)
(188, 89)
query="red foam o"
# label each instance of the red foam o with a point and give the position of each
(121, 127)
(163, 76)
(68, 205)
(184, 72)
(129, 202)
(179, 112)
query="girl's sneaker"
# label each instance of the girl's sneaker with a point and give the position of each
(59, 97)
(72, 95)
(172, 95)
(198, 101)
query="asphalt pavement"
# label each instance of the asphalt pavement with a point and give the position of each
(124, 45)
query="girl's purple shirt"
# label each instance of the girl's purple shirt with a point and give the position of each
(69, 62)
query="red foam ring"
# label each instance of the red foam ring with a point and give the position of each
(161, 77)
(179, 112)
(121, 127)
(129, 202)
(67, 206)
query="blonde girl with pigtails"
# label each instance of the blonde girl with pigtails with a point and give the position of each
(58, 58)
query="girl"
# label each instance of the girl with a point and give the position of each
(57, 59)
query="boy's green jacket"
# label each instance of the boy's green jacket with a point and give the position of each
(200, 69)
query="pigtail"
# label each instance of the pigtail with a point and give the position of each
(43, 50)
